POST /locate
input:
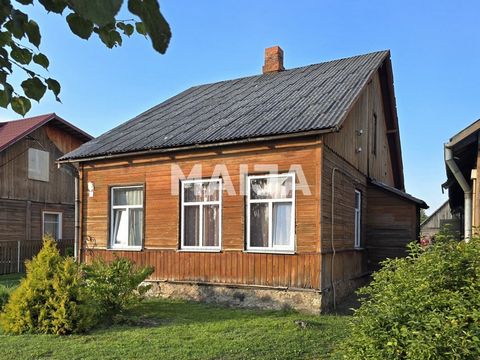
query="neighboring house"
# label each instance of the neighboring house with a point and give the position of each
(304, 236)
(461, 161)
(440, 219)
(36, 197)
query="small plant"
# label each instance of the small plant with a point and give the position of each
(51, 299)
(116, 286)
(424, 306)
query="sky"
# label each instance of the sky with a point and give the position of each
(435, 48)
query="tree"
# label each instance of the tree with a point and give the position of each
(423, 215)
(20, 40)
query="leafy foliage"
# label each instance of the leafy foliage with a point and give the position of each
(4, 295)
(51, 299)
(425, 306)
(116, 286)
(20, 39)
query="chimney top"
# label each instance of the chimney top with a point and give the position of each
(273, 60)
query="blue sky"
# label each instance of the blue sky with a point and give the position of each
(435, 53)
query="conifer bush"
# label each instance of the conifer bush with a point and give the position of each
(51, 299)
(424, 306)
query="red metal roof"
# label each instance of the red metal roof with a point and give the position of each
(12, 131)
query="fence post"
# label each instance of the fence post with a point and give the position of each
(18, 256)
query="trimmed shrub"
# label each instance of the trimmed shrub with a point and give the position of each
(425, 306)
(116, 286)
(51, 299)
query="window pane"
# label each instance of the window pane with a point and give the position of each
(191, 226)
(204, 191)
(259, 225)
(271, 188)
(128, 196)
(53, 218)
(120, 227)
(38, 164)
(358, 200)
(51, 225)
(211, 225)
(136, 227)
(282, 223)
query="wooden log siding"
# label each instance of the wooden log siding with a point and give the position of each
(391, 225)
(350, 263)
(161, 212)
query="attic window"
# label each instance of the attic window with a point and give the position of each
(375, 134)
(38, 165)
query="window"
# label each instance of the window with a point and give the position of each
(375, 134)
(271, 212)
(38, 165)
(201, 214)
(52, 224)
(126, 217)
(358, 218)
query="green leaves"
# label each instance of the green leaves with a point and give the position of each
(41, 60)
(100, 12)
(22, 55)
(34, 88)
(20, 104)
(33, 33)
(79, 26)
(17, 32)
(54, 86)
(155, 24)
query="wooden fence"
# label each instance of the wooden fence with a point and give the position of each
(14, 253)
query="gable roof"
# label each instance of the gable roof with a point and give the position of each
(13, 131)
(314, 98)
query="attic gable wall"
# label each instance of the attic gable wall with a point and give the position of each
(357, 133)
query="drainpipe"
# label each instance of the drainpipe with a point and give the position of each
(77, 223)
(467, 190)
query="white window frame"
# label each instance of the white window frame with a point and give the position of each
(60, 223)
(200, 204)
(358, 220)
(271, 248)
(112, 244)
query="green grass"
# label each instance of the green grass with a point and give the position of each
(11, 280)
(161, 329)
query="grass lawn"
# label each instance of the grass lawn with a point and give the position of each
(183, 330)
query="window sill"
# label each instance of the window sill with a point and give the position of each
(200, 250)
(270, 251)
(132, 248)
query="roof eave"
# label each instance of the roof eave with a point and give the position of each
(198, 146)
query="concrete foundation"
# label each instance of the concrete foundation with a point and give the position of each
(307, 301)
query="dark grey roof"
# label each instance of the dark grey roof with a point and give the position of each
(310, 98)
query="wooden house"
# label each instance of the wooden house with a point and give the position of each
(439, 220)
(36, 197)
(280, 189)
(462, 154)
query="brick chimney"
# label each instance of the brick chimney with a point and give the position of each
(273, 60)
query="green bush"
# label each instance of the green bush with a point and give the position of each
(116, 286)
(4, 295)
(425, 306)
(51, 299)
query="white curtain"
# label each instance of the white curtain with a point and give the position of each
(128, 196)
(136, 227)
(282, 223)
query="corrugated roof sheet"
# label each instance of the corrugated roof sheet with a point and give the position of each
(12, 131)
(314, 97)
